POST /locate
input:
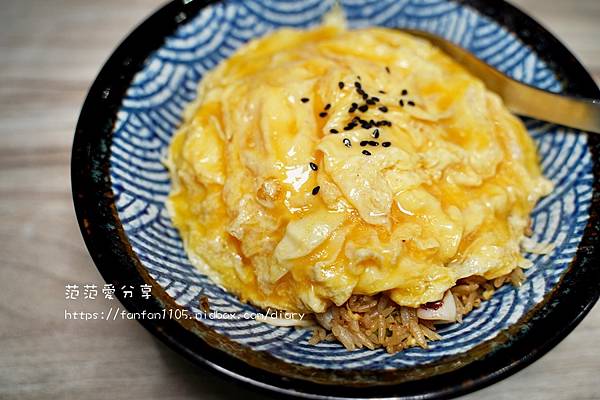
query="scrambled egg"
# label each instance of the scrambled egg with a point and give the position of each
(318, 164)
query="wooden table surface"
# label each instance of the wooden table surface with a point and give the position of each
(51, 50)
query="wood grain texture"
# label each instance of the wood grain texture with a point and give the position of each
(51, 51)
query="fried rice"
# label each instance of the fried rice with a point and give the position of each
(376, 321)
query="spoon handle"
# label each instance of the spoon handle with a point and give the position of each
(523, 99)
(574, 112)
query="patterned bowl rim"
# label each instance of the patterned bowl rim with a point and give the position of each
(513, 349)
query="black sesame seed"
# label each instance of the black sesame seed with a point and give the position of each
(411, 103)
(358, 77)
(350, 125)
(376, 133)
(401, 103)
(357, 85)
(404, 92)
(373, 143)
(341, 85)
(366, 152)
(304, 99)
(365, 125)
(327, 106)
(381, 91)
(385, 144)
(375, 99)
(316, 190)
(363, 108)
(387, 69)
(363, 143)
(383, 109)
(360, 92)
(365, 96)
(313, 166)
(347, 142)
(370, 102)
(333, 131)
(322, 114)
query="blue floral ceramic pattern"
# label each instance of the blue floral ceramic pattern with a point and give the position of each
(152, 110)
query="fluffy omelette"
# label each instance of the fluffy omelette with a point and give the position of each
(316, 165)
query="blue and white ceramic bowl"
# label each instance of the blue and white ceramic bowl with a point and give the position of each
(120, 187)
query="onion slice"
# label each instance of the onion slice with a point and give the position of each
(444, 313)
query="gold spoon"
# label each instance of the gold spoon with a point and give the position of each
(520, 98)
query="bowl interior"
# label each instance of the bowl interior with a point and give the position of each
(151, 112)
